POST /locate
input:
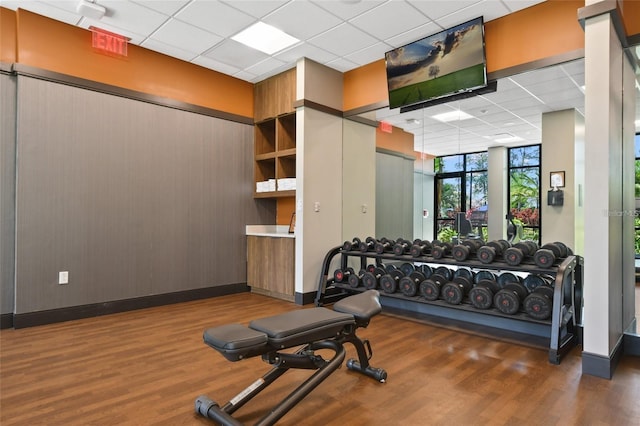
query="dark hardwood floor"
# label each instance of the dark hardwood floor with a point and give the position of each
(147, 367)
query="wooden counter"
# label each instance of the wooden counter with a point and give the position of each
(271, 261)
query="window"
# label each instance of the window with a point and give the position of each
(461, 186)
(524, 189)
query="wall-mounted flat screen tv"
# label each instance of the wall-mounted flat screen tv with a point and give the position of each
(443, 64)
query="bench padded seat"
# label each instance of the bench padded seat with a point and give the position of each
(302, 326)
(235, 341)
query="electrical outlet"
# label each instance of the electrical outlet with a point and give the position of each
(63, 277)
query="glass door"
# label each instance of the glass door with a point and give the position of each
(450, 196)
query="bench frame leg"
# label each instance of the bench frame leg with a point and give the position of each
(283, 362)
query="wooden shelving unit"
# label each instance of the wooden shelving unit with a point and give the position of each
(275, 133)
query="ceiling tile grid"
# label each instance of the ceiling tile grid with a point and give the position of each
(342, 34)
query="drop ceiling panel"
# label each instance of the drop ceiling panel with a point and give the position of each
(131, 17)
(390, 19)
(343, 40)
(193, 39)
(368, 54)
(170, 50)
(415, 34)
(437, 9)
(346, 10)
(168, 7)
(256, 8)
(215, 17)
(302, 19)
(305, 50)
(235, 54)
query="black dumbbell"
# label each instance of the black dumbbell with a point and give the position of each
(370, 280)
(390, 281)
(351, 245)
(463, 272)
(547, 255)
(533, 281)
(506, 278)
(384, 246)
(515, 254)
(466, 248)
(401, 247)
(444, 271)
(481, 295)
(484, 275)
(342, 275)
(430, 287)
(426, 270)
(407, 268)
(356, 280)
(539, 304)
(508, 299)
(420, 248)
(488, 252)
(440, 249)
(367, 245)
(409, 285)
(455, 290)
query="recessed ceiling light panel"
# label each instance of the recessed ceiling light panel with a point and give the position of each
(455, 115)
(507, 138)
(265, 38)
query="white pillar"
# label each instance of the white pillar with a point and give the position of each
(497, 192)
(604, 240)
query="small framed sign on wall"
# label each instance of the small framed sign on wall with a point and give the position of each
(557, 179)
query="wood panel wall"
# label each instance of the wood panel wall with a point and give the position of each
(7, 189)
(133, 199)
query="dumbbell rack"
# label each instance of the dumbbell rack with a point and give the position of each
(561, 330)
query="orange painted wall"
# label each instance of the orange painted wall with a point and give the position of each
(365, 85)
(7, 35)
(545, 30)
(284, 209)
(398, 140)
(51, 45)
(631, 16)
(541, 31)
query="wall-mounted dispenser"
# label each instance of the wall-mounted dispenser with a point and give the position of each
(555, 197)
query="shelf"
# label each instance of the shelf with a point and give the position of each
(265, 137)
(287, 153)
(275, 152)
(275, 131)
(274, 194)
(265, 169)
(286, 132)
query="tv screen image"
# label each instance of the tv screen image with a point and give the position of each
(443, 64)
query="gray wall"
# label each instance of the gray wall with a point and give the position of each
(133, 199)
(7, 189)
(394, 196)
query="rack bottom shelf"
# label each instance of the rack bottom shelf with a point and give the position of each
(514, 328)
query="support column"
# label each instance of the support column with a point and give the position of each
(605, 240)
(560, 140)
(497, 197)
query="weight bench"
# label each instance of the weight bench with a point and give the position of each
(313, 328)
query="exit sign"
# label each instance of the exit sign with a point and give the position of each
(386, 127)
(108, 42)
